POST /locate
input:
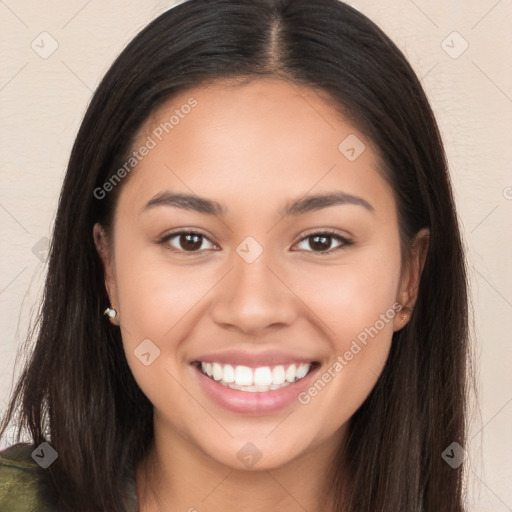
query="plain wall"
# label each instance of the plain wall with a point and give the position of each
(42, 101)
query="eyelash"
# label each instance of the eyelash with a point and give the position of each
(345, 242)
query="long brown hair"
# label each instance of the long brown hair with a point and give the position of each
(76, 385)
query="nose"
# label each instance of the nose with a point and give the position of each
(254, 297)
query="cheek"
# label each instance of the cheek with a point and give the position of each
(356, 304)
(352, 296)
(159, 302)
(154, 295)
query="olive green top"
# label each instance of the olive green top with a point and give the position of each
(25, 486)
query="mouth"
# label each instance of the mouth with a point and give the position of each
(259, 379)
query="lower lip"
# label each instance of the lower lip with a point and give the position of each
(248, 402)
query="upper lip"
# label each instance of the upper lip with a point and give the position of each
(253, 359)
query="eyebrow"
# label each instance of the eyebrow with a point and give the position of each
(301, 206)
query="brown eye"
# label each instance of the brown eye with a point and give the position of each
(185, 241)
(321, 242)
(190, 241)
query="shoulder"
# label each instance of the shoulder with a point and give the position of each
(22, 481)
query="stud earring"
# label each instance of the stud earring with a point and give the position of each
(405, 313)
(110, 312)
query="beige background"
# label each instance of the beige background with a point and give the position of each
(42, 101)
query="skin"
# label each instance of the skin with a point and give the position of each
(252, 147)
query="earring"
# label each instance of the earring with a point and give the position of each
(405, 313)
(110, 312)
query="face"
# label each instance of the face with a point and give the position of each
(281, 276)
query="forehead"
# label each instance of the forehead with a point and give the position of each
(256, 138)
(259, 107)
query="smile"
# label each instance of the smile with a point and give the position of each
(260, 379)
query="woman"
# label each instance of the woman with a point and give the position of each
(256, 295)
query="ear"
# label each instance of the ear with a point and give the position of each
(103, 247)
(410, 278)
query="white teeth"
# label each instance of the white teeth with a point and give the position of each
(278, 375)
(229, 374)
(302, 370)
(290, 373)
(259, 379)
(217, 371)
(262, 376)
(243, 376)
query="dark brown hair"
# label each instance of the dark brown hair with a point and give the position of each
(77, 385)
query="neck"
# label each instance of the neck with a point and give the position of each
(177, 475)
